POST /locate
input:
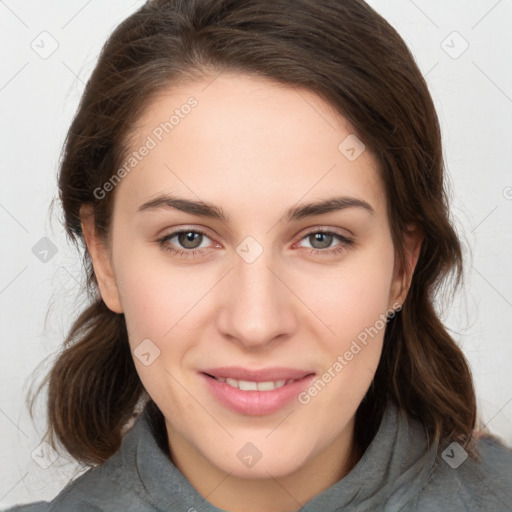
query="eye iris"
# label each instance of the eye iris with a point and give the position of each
(324, 238)
(189, 237)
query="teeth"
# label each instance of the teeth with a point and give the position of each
(245, 385)
(269, 386)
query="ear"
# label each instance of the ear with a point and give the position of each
(402, 277)
(101, 261)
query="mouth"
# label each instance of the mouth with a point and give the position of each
(248, 385)
(255, 393)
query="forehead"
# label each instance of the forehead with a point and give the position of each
(238, 138)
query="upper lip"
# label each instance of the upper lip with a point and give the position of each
(262, 375)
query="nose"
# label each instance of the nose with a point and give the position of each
(258, 307)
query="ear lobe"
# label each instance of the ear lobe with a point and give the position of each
(101, 261)
(412, 238)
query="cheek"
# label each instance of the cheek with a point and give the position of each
(353, 304)
(158, 302)
(355, 295)
(157, 297)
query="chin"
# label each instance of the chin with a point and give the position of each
(260, 459)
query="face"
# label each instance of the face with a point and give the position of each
(223, 271)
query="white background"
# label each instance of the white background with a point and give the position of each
(38, 97)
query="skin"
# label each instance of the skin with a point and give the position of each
(254, 148)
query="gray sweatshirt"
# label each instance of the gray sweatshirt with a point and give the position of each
(395, 474)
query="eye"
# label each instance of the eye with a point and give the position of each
(321, 241)
(189, 242)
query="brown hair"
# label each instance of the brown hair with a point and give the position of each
(352, 58)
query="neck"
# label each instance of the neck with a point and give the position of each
(273, 494)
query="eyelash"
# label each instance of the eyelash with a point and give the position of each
(191, 253)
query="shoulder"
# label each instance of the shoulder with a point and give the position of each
(39, 506)
(462, 482)
(105, 487)
(112, 486)
(45, 506)
(91, 492)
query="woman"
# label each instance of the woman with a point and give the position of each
(259, 188)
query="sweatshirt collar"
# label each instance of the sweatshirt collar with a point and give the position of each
(392, 470)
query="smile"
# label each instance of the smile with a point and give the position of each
(254, 398)
(246, 385)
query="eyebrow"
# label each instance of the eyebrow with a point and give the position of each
(205, 209)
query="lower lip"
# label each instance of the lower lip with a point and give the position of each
(255, 403)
